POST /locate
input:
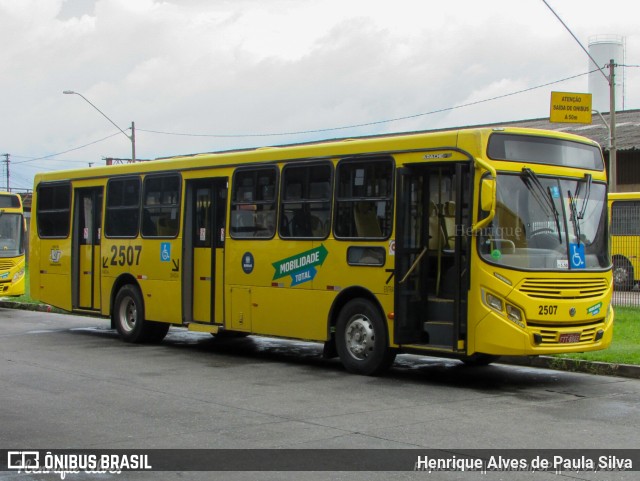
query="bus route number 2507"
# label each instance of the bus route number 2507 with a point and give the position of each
(125, 255)
(547, 310)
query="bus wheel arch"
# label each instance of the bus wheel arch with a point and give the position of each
(479, 359)
(360, 333)
(128, 314)
(340, 301)
(623, 275)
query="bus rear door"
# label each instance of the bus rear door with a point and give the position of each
(87, 223)
(203, 274)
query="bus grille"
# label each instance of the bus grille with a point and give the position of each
(6, 263)
(563, 288)
(552, 336)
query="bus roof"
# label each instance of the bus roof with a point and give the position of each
(331, 148)
(624, 195)
(15, 201)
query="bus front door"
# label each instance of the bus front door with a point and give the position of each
(430, 273)
(203, 274)
(85, 281)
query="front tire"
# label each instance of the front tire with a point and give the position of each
(362, 341)
(128, 317)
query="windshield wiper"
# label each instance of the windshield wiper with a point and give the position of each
(585, 201)
(576, 215)
(542, 196)
(575, 219)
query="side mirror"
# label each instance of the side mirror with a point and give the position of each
(487, 203)
(487, 194)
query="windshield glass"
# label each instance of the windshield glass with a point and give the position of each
(10, 235)
(547, 223)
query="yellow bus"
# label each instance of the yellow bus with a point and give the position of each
(469, 244)
(12, 252)
(625, 238)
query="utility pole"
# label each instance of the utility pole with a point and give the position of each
(133, 142)
(613, 184)
(6, 161)
(613, 156)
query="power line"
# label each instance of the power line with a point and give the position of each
(30, 159)
(367, 124)
(330, 129)
(67, 151)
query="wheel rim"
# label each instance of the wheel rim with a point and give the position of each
(620, 274)
(128, 314)
(359, 337)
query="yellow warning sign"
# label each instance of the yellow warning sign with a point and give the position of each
(570, 107)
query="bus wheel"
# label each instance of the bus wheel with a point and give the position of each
(622, 274)
(361, 339)
(479, 359)
(128, 317)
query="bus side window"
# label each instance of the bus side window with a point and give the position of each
(53, 211)
(305, 208)
(366, 220)
(253, 206)
(364, 198)
(123, 207)
(160, 216)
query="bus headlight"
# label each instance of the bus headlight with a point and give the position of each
(18, 276)
(511, 312)
(514, 314)
(494, 302)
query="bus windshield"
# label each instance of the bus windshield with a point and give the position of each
(10, 234)
(546, 223)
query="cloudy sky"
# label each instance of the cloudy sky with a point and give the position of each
(207, 75)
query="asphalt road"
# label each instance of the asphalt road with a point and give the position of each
(69, 382)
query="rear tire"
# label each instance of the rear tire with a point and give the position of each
(622, 274)
(362, 341)
(128, 317)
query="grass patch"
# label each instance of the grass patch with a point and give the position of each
(625, 347)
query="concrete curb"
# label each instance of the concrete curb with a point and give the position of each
(545, 362)
(575, 365)
(25, 306)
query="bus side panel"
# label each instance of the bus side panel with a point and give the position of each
(155, 266)
(52, 281)
(296, 313)
(293, 284)
(162, 300)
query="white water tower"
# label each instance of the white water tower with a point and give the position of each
(603, 48)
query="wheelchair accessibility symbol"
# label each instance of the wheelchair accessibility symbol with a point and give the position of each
(165, 251)
(576, 256)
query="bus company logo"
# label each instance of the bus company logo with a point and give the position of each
(595, 309)
(248, 263)
(23, 459)
(55, 255)
(301, 267)
(444, 155)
